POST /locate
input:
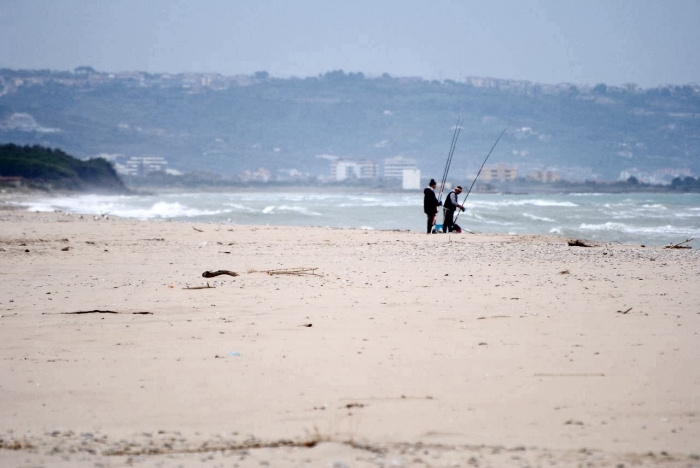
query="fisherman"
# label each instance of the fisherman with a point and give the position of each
(431, 204)
(449, 208)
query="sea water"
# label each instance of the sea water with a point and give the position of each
(653, 219)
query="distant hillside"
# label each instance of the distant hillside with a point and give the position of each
(226, 125)
(47, 168)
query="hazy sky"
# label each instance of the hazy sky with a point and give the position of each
(648, 42)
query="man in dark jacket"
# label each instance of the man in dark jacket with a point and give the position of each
(449, 209)
(430, 204)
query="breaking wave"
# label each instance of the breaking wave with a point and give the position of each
(122, 206)
(537, 218)
(646, 230)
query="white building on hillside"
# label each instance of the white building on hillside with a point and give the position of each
(141, 166)
(499, 172)
(394, 167)
(343, 169)
(410, 179)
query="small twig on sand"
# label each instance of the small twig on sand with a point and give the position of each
(288, 271)
(211, 274)
(569, 375)
(680, 245)
(200, 287)
(105, 312)
(198, 230)
(624, 311)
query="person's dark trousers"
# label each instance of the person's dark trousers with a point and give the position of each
(447, 224)
(431, 222)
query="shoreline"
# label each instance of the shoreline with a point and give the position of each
(400, 347)
(313, 186)
(604, 230)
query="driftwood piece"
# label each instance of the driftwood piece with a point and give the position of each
(680, 245)
(211, 274)
(80, 312)
(198, 230)
(288, 271)
(571, 375)
(200, 287)
(578, 243)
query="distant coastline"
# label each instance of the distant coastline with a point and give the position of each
(32, 188)
(519, 186)
(260, 127)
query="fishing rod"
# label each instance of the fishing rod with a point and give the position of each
(453, 145)
(455, 136)
(477, 174)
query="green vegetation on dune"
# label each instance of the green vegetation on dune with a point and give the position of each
(52, 168)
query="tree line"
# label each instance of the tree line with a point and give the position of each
(54, 169)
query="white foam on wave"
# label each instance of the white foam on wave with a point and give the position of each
(374, 204)
(119, 206)
(555, 230)
(239, 207)
(639, 213)
(272, 209)
(533, 202)
(88, 204)
(299, 209)
(43, 207)
(687, 215)
(648, 230)
(471, 214)
(164, 210)
(604, 227)
(494, 222)
(538, 218)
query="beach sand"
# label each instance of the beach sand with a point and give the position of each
(402, 349)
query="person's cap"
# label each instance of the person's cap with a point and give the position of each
(432, 182)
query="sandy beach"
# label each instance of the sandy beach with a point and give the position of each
(398, 349)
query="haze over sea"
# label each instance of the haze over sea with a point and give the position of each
(653, 219)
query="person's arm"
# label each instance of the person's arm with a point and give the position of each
(454, 202)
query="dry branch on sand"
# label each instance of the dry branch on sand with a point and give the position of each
(80, 312)
(200, 287)
(680, 245)
(288, 271)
